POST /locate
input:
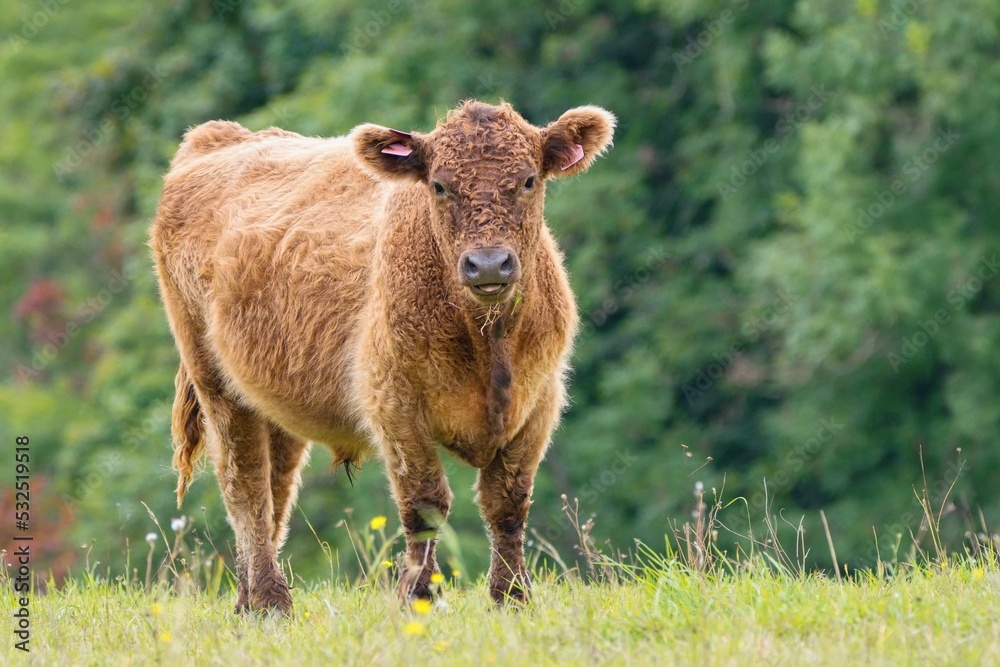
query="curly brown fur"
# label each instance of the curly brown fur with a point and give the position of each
(314, 290)
(498, 394)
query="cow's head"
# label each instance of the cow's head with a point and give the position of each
(484, 169)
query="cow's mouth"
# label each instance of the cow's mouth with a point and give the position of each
(490, 293)
(490, 289)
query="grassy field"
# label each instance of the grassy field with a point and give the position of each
(690, 605)
(670, 615)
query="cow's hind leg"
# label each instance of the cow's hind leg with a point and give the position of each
(239, 441)
(422, 494)
(288, 455)
(243, 466)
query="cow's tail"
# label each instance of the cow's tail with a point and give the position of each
(188, 431)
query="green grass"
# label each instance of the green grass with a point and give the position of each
(692, 605)
(928, 616)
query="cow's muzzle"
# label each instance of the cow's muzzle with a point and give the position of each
(489, 272)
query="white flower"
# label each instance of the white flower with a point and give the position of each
(150, 537)
(178, 524)
(699, 488)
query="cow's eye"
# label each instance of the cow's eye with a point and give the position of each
(438, 189)
(529, 183)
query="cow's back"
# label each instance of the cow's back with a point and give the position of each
(266, 238)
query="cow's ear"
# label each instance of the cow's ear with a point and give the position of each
(572, 143)
(387, 153)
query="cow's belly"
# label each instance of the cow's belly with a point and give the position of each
(283, 316)
(328, 423)
(314, 408)
(294, 370)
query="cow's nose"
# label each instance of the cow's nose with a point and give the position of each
(489, 266)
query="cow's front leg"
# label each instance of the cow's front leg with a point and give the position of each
(422, 494)
(504, 496)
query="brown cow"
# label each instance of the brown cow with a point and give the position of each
(382, 291)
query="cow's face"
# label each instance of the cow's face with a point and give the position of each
(484, 170)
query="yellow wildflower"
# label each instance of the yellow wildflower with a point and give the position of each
(157, 609)
(422, 606)
(456, 574)
(437, 578)
(978, 574)
(377, 523)
(413, 628)
(164, 637)
(387, 563)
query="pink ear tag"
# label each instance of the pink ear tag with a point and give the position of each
(401, 150)
(574, 158)
(397, 149)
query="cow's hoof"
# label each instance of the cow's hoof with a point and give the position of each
(273, 597)
(417, 591)
(272, 609)
(416, 585)
(513, 597)
(506, 592)
(242, 602)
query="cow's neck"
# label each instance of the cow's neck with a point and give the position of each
(500, 376)
(496, 333)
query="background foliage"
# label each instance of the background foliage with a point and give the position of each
(786, 265)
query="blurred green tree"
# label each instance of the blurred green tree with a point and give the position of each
(785, 267)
